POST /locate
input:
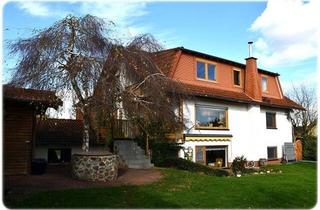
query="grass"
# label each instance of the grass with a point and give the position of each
(294, 188)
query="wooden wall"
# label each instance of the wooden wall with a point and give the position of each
(18, 134)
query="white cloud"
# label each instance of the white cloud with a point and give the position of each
(34, 8)
(123, 14)
(38, 8)
(288, 32)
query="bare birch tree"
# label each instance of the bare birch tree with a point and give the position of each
(68, 56)
(304, 121)
(105, 75)
(133, 81)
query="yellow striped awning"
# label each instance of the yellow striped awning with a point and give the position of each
(207, 137)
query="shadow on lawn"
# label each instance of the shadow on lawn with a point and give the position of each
(114, 197)
(57, 188)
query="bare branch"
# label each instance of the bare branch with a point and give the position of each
(304, 121)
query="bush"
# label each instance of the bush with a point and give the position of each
(188, 165)
(309, 147)
(250, 170)
(238, 164)
(162, 150)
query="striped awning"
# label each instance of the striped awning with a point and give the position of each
(208, 137)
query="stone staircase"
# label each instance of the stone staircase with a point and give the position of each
(132, 154)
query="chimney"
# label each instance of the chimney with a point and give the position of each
(250, 48)
(252, 79)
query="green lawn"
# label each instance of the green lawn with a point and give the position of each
(294, 188)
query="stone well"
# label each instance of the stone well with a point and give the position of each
(95, 166)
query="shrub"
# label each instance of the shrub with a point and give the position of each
(250, 170)
(162, 150)
(188, 165)
(309, 147)
(238, 164)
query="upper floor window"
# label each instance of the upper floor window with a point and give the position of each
(236, 77)
(201, 70)
(206, 71)
(264, 83)
(208, 117)
(271, 120)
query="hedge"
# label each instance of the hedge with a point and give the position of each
(188, 165)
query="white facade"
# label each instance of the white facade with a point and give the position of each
(246, 124)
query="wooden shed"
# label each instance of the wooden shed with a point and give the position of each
(20, 107)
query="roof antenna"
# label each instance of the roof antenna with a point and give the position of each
(250, 48)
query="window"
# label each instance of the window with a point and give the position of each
(271, 120)
(272, 153)
(211, 72)
(201, 71)
(200, 154)
(236, 77)
(208, 117)
(264, 83)
(206, 71)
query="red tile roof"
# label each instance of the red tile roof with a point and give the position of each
(170, 53)
(204, 91)
(281, 103)
(167, 59)
(240, 97)
(31, 95)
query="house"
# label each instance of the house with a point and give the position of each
(20, 108)
(235, 109)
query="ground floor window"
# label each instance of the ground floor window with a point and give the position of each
(215, 156)
(59, 155)
(272, 153)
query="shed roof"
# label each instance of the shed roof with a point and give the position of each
(33, 96)
(59, 132)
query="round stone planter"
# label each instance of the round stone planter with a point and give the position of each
(95, 166)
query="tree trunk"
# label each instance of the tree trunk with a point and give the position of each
(111, 146)
(147, 146)
(86, 128)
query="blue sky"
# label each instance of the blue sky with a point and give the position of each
(285, 40)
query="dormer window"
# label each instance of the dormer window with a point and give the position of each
(264, 84)
(206, 70)
(201, 70)
(236, 77)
